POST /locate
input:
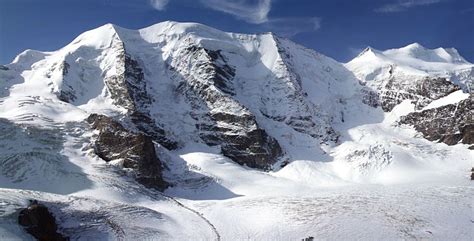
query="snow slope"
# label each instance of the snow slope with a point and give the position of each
(450, 99)
(347, 169)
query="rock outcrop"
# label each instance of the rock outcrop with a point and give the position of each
(40, 223)
(421, 92)
(128, 89)
(136, 150)
(413, 73)
(291, 105)
(450, 124)
(123, 82)
(221, 120)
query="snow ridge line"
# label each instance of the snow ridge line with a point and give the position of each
(213, 228)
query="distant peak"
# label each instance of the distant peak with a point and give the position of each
(105, 27)
(421, 53)
(414, 46)
(368, 50)
(456, 57)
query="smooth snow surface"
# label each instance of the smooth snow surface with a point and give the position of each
(452, 98)
(380, 181)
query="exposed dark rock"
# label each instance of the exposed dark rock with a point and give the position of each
(128, 87)
(421, 92)
(40, 223)
(207, 87)
(450, 124)
(435, 88)
(64, 68)
(148, 126)
(472, 173)
(67, 93)
(370, 97)
(390, 98)
(216, 70)
(255, 149)
(3, 67)
(66, 96)
(221, 71)
(301, 115)
(135, 149)
(305, 117)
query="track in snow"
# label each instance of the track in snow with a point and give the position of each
(213, 228)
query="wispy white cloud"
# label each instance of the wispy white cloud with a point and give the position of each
(252, 11)
(291, 26)
(159, 4)
(256, 12)
(403, 5)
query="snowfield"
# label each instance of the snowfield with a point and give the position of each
(378, 181)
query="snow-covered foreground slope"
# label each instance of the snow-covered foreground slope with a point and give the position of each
(257, 138)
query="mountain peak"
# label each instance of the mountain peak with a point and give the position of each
(413, 60)
(99, 37)
(367, 50)
(417, 52)
(169, 28)
(414, 45)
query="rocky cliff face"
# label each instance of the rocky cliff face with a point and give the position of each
(40, 223)
(207, 83)
(300, 114)
(253, 97)
(421, 76)
(135, 150)
(128, 89)
(126, 85)
(450, 124)
(412, 73)
(421, 92)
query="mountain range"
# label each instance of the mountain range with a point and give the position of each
(182, 131)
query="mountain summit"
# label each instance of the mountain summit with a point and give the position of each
(413, 59)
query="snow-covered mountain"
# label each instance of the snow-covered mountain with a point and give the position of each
(194, 133)
(413, 72)
(426, 78)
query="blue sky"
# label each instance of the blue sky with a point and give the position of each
(337, 28)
